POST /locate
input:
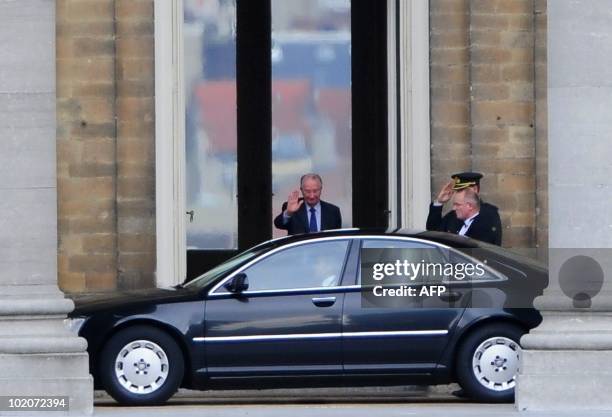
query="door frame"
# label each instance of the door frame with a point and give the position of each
(169, 144)
(408, 119)
(254, 134)
(414, 119)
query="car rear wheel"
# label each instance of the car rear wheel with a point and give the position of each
(488, 362)
(141, 365)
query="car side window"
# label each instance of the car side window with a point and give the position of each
(477, 273)
(414, 252)
(439, 264)
(311, 265)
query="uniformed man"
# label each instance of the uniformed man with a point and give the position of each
(476, 219)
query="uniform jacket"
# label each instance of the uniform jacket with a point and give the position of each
(485, 227)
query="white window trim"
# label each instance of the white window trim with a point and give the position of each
(395, 183)
(169, 144)
(413, 117)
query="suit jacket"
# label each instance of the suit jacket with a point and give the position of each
(486, 226)
(298, 223)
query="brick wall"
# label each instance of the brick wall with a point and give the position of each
(483, 103)
(135, 143)
(105, 144)
(450, 89)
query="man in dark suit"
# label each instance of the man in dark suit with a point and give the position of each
(486, 224)
(314, 216)
(471, 222)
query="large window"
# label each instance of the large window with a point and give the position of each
(209, 33)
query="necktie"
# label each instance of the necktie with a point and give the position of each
(313, 221)
(464, 226)
(461, 226)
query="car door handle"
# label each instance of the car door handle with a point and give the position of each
(324, 301)
(450, 296)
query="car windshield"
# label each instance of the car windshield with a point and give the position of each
(219, 270)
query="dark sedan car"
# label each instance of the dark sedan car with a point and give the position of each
(296, 312)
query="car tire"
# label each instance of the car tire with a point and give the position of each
(141, 365)
(488, 362)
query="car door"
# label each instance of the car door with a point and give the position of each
(288, 322)
(404, 335)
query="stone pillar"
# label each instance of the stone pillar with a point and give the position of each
(566, 360)
(38, 355)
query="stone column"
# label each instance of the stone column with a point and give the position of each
(38, 355)
(566, 360)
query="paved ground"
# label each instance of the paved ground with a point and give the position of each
(426, 409)
(337, 402)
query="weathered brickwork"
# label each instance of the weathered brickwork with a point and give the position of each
(135, 143)
(490, 46)
(105, 138)
(502, 103)
(450, 89)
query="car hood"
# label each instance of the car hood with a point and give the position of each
(86, 304)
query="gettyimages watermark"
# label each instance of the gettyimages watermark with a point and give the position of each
(479, 277)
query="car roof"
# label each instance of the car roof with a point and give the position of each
(462, 243)
(447, 239)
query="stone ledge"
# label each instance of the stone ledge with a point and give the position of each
(566, 362)
(42, 344)
(19, 366)
(43, 306)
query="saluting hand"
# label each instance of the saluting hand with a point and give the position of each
(446, 192)
(293, 202)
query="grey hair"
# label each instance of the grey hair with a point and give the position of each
(310, 176)
(470, 196)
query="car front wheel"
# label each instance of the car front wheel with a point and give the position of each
(488, 362)
(141, 365)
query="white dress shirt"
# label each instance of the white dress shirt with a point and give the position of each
(466, 224)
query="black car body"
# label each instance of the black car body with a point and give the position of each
(279, 316)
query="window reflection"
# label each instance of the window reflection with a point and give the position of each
(210, 125)
(307, 266)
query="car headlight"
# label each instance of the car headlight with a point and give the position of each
(74, 324)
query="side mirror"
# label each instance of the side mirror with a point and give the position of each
(238, 283)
